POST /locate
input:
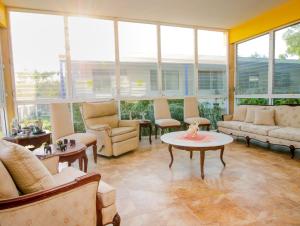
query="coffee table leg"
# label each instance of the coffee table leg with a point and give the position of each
(80, 160)
(221, 156)
(170, 150)
(202, 158)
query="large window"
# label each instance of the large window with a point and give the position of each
(138, 59)
(212, 57)
(177, 56)
(287, 61)
(38, 46)
(75, 59)
(92, 54)
(252, 66)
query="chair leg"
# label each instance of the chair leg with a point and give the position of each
(155, 131)
(208, 127)
(116, 220)
(95, 152)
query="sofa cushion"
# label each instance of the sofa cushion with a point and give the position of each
(8, 188)
(121, 130)
(236, 125)
(258, 129)
(240, 113)
(27, 171)
(287, 133)
(167, 122)
(106, 192)
(251, 113)
(200, 120)
(264, 117)
(84, 138)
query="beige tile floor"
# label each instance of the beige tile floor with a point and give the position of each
(258, 186)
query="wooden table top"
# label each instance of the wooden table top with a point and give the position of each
(71, 150)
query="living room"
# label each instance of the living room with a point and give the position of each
(142, 113)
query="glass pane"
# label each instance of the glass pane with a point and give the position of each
(281, 101)
(138, 57)
(92, 57)
(252, 66)
(213, 109)
(28, 113)
(77, 118)
(287, 61)
(177, 52)
(38, 46)
(252, 101)
(212, 63)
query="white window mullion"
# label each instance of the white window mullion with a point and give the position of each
(271, 66)
(159, 67)
(196, 66)
(69, 84)
(117, 61)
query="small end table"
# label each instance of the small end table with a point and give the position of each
(70, 155)
(30, 140)
(146, 124)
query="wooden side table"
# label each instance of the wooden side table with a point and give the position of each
(77, 152)
(146, 124)
(30, 140)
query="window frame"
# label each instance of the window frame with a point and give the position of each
(271, 63)
(69, 96)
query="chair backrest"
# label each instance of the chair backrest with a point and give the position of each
(191, 107)
(61, 120)
(161, 109)
(100, 113)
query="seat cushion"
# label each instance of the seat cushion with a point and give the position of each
(121, 130)
(287, 133)
(8, 188)
(201, 121)
(84, 138)
(236, 125)
(258, 129)
(125, 136)
(167, 122)
(106, 192)
(27, 171)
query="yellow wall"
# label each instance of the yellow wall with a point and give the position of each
(3, 21)
(285, 13)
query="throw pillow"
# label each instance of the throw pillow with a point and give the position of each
(27, 171)
(250, 115)
(8, 188)
(264, 117)
(239, 114)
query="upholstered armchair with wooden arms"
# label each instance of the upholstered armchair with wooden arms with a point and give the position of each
(114, 136)
(74, 198)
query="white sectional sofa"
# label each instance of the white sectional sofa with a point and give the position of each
(284, 131)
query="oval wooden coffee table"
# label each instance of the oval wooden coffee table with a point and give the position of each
(70, 155)
(205, 141)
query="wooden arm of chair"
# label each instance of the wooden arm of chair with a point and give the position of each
(45, 194)
(227, 117)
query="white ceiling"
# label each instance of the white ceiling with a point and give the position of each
(206, 13)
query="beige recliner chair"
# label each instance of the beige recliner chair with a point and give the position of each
(191, 113)
(114, 136)
(162, 115)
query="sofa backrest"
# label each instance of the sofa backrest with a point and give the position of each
(100, 113)
(286, 116)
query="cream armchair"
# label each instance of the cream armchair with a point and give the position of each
(114, 136)
(76, 199)
(191, 113)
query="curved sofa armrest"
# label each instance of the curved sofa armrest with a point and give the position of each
(227, 117)
(103, 127)
(129, 123)
(51, 164)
